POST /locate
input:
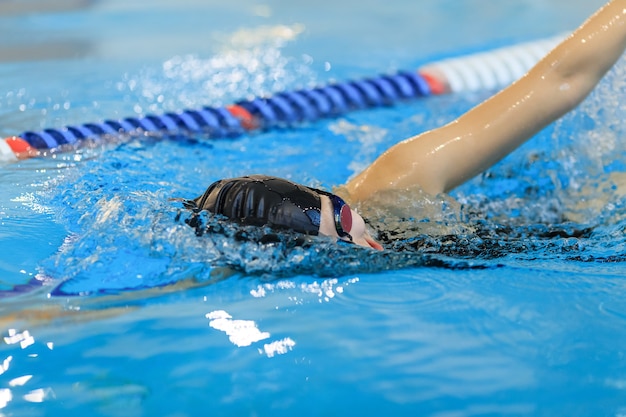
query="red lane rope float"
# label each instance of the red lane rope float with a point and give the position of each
(247, 120)
(487, 70)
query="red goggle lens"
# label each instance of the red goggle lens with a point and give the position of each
(345, 218)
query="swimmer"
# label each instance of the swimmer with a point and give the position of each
(263, 200)
(441, 159)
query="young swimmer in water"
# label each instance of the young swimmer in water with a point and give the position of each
(443, 158)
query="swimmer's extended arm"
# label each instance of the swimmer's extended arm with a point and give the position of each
(444, 158)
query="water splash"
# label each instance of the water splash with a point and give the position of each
(251, 64)
(125, 234)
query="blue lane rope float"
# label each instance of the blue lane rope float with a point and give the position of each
(486, 70)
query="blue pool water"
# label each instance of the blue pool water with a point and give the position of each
(504, 298)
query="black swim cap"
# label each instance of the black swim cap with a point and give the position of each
(261, 200)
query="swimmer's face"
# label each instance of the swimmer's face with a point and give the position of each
(358, 233)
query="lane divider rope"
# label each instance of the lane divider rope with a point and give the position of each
(485, 70)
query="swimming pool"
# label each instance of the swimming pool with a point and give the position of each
(507, 301)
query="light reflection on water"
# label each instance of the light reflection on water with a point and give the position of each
(20, 385)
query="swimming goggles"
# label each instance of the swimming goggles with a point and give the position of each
(342, 216)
